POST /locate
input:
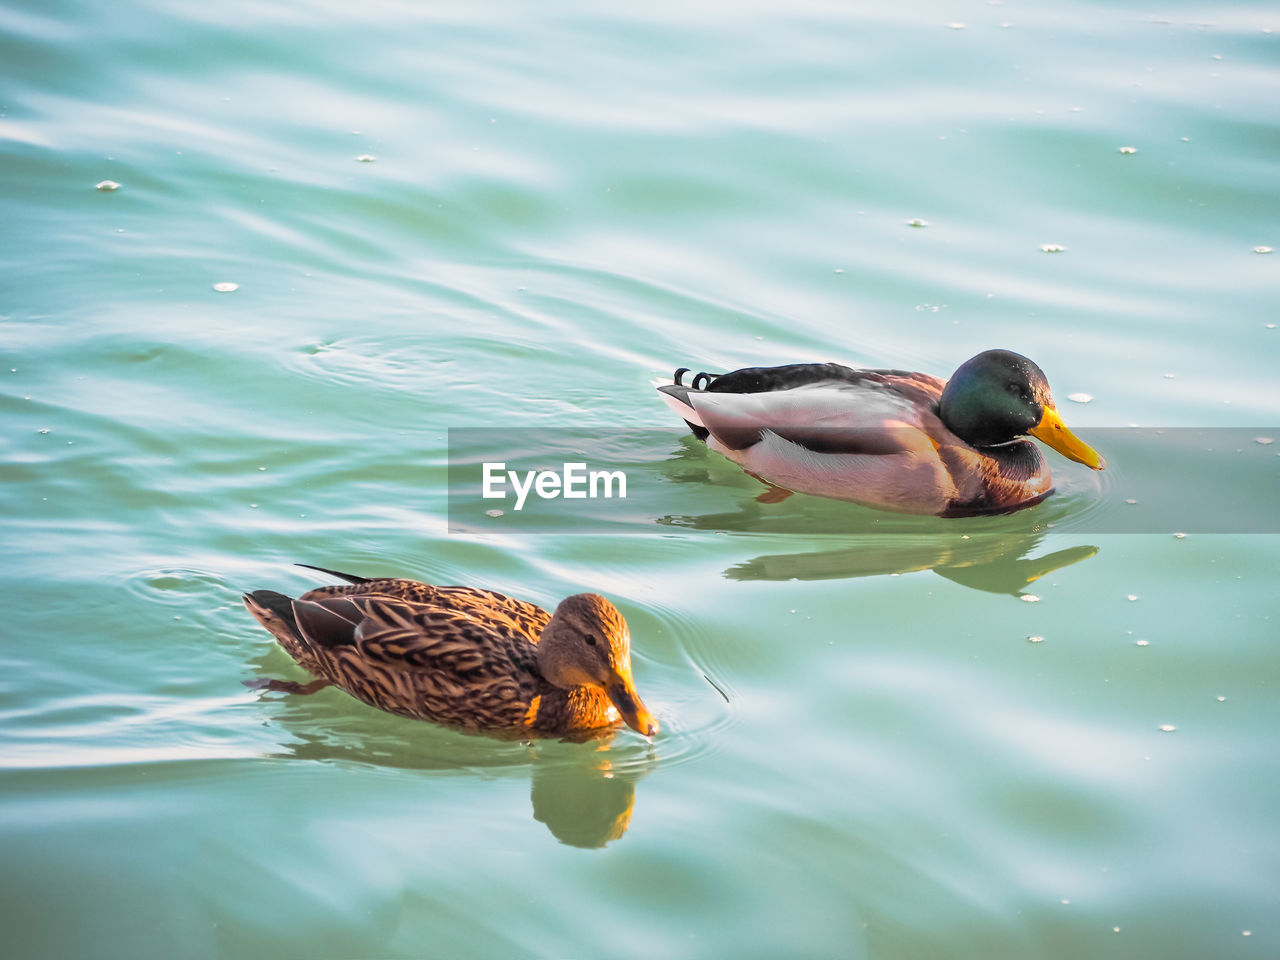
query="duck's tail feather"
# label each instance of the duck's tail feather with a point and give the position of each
(275, 612)
(349, 577)
(676, 396)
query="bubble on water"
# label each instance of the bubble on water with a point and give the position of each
(1246, 933)
(1142, 643)
(1179, 536)
(366, 158)
(44, 430)
(1029, 598)
(1115, 929)
(1261, 249)
(254, 505)
(1035, 639)
(1168, 727)
(1185, 139)
(1052, 248)
(226, 286)
(1271, 326)
(917, 222)
(1131, 502)
(1222, 699)
(1264, 440)
(106, 186)
(1128, 150)
(493, 513)
(1080, 397)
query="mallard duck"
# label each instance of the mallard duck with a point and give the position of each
(901, 441)
(461, 656)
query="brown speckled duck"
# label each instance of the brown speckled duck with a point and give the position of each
(468, 658)
(891, 439)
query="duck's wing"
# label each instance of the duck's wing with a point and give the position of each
(489, 606)
(874, 413)
(422, 660)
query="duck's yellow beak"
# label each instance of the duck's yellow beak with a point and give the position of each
(1052, 431)
(621, 691)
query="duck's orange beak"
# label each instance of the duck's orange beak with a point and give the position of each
(621, 691)
(1052, 431)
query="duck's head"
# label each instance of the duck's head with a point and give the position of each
(587, 643)
(998, 396)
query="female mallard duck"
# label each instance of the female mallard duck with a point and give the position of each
(461, 656)
(901, 441)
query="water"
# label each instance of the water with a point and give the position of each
(862, 753)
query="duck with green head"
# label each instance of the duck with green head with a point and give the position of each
(893, 439)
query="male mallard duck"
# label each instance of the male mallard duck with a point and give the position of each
(892, 439)
(461, 656)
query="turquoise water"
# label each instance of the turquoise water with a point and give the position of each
(862, 754)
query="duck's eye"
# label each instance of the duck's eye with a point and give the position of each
(591, 641)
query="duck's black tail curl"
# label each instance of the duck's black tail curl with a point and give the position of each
(700, 381)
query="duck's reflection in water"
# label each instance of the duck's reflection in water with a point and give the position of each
(583, 792)
(995, 563)
(587, 802)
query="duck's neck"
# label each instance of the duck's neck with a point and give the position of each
(1016, 461)
(574, 709)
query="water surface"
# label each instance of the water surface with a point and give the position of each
(863, 752)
